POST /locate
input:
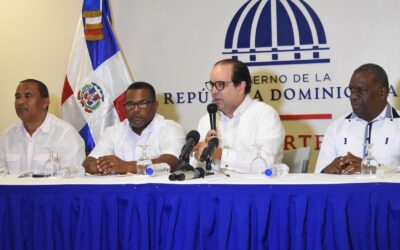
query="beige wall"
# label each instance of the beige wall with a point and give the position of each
(36, 39)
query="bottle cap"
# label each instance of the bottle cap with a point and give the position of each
(268, 172)
(149, 171)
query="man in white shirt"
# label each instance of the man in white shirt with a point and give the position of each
(242, 122)
(121, 145)
(25, 146)
(373, 121)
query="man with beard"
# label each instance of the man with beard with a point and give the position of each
(241, 123)
(24, 147)
(373, 121)
(121, 145)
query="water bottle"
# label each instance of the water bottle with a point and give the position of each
(276, 170)
(158, 169)
(73, 171)
(385, 171)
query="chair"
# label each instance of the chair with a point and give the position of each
(297, 159)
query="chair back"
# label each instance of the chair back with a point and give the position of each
(297, 159)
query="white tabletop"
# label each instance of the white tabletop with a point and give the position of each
(239, 179)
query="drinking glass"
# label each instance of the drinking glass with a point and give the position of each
(52, 165)
(143, 161)
(3, 171)
(369, 163)
(258, 164)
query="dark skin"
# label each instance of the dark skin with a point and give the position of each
(368, 99)
(139, 119)
(30, 106)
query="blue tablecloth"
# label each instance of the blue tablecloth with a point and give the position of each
(201, 216)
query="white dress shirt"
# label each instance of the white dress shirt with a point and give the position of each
(20, 152)
(350, 133)
(253, 123)
(161, 136)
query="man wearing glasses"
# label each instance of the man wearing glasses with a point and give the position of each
(122, 145)
(373, 121)
(241, 123)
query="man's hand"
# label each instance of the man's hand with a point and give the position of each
(352, 164)
(211, 134)
(335, 167)
(348, 164)
(199, 148)
(111, 164)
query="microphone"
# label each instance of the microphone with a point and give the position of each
(212, 111)
(209, 150)
(192, 138)
(189, 175)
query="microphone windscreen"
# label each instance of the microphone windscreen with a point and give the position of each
(208, 151)
(194, 135)
(214, 141)
(212, 108)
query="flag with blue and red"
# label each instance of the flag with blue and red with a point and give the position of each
(97, 75)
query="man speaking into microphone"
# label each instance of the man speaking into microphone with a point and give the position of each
(240, 123)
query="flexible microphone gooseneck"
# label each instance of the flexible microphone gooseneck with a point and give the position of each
(192, 138)
(209, 150)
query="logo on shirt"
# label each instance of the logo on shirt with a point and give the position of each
(276, 32)
(91, 96)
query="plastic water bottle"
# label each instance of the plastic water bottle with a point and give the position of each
(72, 171)
(385, 171)
(276, 170)
(158, 169)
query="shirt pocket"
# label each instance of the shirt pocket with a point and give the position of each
(13, 162)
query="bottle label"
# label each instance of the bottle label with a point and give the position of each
(158, 169)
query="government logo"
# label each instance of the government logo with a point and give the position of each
(276, 32)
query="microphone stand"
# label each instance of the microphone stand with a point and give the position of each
(208, 167)
(185, 166)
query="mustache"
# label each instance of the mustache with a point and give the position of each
(22, 108)
(136, 115)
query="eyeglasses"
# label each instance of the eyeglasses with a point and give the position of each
(141, 104)
(219, 85)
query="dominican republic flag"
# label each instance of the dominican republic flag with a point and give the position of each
(97, 75)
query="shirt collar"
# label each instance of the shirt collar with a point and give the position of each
(44, 127)
(386, 113)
